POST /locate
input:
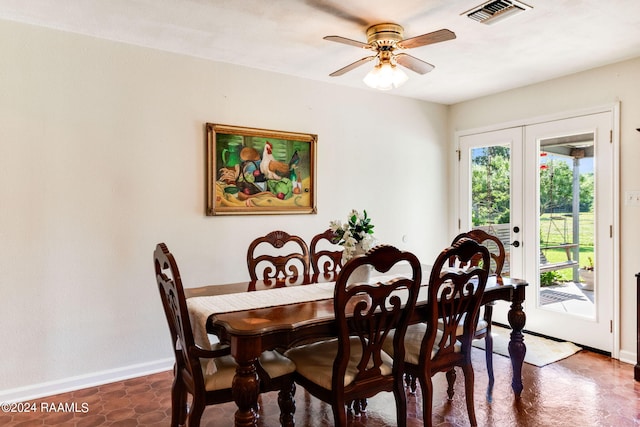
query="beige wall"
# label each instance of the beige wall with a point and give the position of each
(102, 156)
(594, 88)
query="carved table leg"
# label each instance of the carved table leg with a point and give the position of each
(517, 348)
(245, 391)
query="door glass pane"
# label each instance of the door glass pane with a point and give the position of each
(566, 224)
(490, 194)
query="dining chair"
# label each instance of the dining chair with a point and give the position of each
(192, 370)
(483, 329)
(326, 253)
(353, 366)
(267, 256)
(455, 296)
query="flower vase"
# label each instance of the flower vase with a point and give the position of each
(362, 273)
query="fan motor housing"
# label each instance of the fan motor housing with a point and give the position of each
(384, 34)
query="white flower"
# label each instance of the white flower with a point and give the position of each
(357, 232)
(349, 240)
(368, 244)
(335, 225)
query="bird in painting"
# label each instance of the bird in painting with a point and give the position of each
(274, 169)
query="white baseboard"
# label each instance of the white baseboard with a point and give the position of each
(36, 391)
(628, 357)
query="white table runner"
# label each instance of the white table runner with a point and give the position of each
(200, 308)
(228, 303)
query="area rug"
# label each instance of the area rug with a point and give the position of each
(540, 351)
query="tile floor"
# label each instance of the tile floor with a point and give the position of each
(586, 389)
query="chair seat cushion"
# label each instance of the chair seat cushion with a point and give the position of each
(315, 361)
(274, 363)
(413, 343)
(222, 376)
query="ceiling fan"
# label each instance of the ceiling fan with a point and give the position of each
(385, 40)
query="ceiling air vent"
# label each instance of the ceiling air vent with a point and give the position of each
(494, 11)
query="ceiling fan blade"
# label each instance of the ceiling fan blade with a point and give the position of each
(350, 42)
(350, 67)
(413, 63)
(336, 10)
(425, 39)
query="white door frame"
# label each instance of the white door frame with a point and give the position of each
(614, 109)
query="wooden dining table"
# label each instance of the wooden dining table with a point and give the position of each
(281, 325)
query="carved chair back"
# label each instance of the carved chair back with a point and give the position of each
(326, 254)
(267, 256)
(492, 243)
(456, 295)
(370, 311)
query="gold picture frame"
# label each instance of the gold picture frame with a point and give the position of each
(258, 171)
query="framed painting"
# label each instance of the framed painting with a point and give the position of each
(260, 171)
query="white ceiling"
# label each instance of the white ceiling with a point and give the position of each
(555, 38)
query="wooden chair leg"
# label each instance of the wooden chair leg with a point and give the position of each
(401, 404)
(178, 403)
(195, 413)
(427, 401)
(340, 413)
(451, 380)
(488, 350)
(357, 407)
(488, 340)
(468, 391)
(350, 407)
(287, 404)
(411, 382)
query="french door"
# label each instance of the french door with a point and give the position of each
(547, 190)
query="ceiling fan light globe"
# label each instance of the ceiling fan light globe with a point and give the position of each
(399, 77)
(385, 77)
(372, 78)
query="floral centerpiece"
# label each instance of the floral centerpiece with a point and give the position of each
(356, 235)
